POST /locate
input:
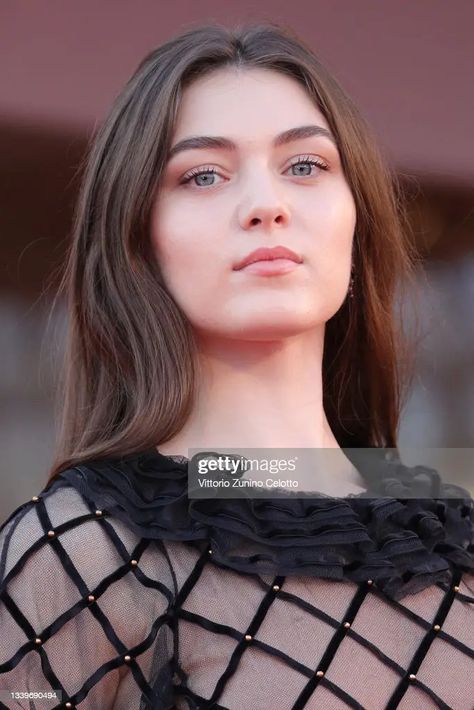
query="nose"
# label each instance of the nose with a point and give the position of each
(264, 205)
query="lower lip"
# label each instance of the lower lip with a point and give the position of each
(273, 267)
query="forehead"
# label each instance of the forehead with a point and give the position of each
(245, 104)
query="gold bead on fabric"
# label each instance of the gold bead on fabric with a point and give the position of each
(91, 598)
(412, 676)
(320, 674)
(456, 588)
(51, 533)
(35, 499)
(276, 588)
(98, 513)
(248, 637)
(69, 705)
(127, 659)
(347, 625)
(370, 582)
(436, 627)
(133, 563)
(38, 641)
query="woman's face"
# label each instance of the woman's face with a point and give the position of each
(217, 203)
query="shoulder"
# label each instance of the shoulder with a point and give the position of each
(60, 549)
(61, 520)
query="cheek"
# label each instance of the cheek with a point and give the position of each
(185, 249)
(337, 216)
(334, 221)
(171, 234)
(173, 238)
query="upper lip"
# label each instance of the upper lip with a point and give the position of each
(268, 254)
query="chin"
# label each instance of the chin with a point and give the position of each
(273, 329)
(265, 322)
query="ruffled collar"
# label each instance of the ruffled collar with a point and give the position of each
(401, 542)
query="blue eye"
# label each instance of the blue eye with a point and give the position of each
(311, 162)
(209, 170)
(199, 172)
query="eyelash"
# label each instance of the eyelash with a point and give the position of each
(210, 170)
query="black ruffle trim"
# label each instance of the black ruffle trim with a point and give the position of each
(404, 544)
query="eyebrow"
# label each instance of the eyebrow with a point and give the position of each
(219, 142)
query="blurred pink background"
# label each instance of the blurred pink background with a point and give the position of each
(408, 66)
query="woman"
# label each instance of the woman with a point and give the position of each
(119, 589)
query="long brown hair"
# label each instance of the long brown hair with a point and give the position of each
(128, 378)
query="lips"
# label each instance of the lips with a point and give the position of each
(268, 254)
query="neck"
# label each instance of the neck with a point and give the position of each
(259, 394)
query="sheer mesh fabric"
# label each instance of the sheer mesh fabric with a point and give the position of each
(47, 583)
(114, 620)
(300, 629)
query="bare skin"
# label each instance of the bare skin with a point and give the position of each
(260, 337)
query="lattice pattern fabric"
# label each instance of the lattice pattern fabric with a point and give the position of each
(117, 591)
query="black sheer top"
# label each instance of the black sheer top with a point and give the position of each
(119, 591)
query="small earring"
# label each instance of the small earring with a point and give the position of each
(351, 287)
